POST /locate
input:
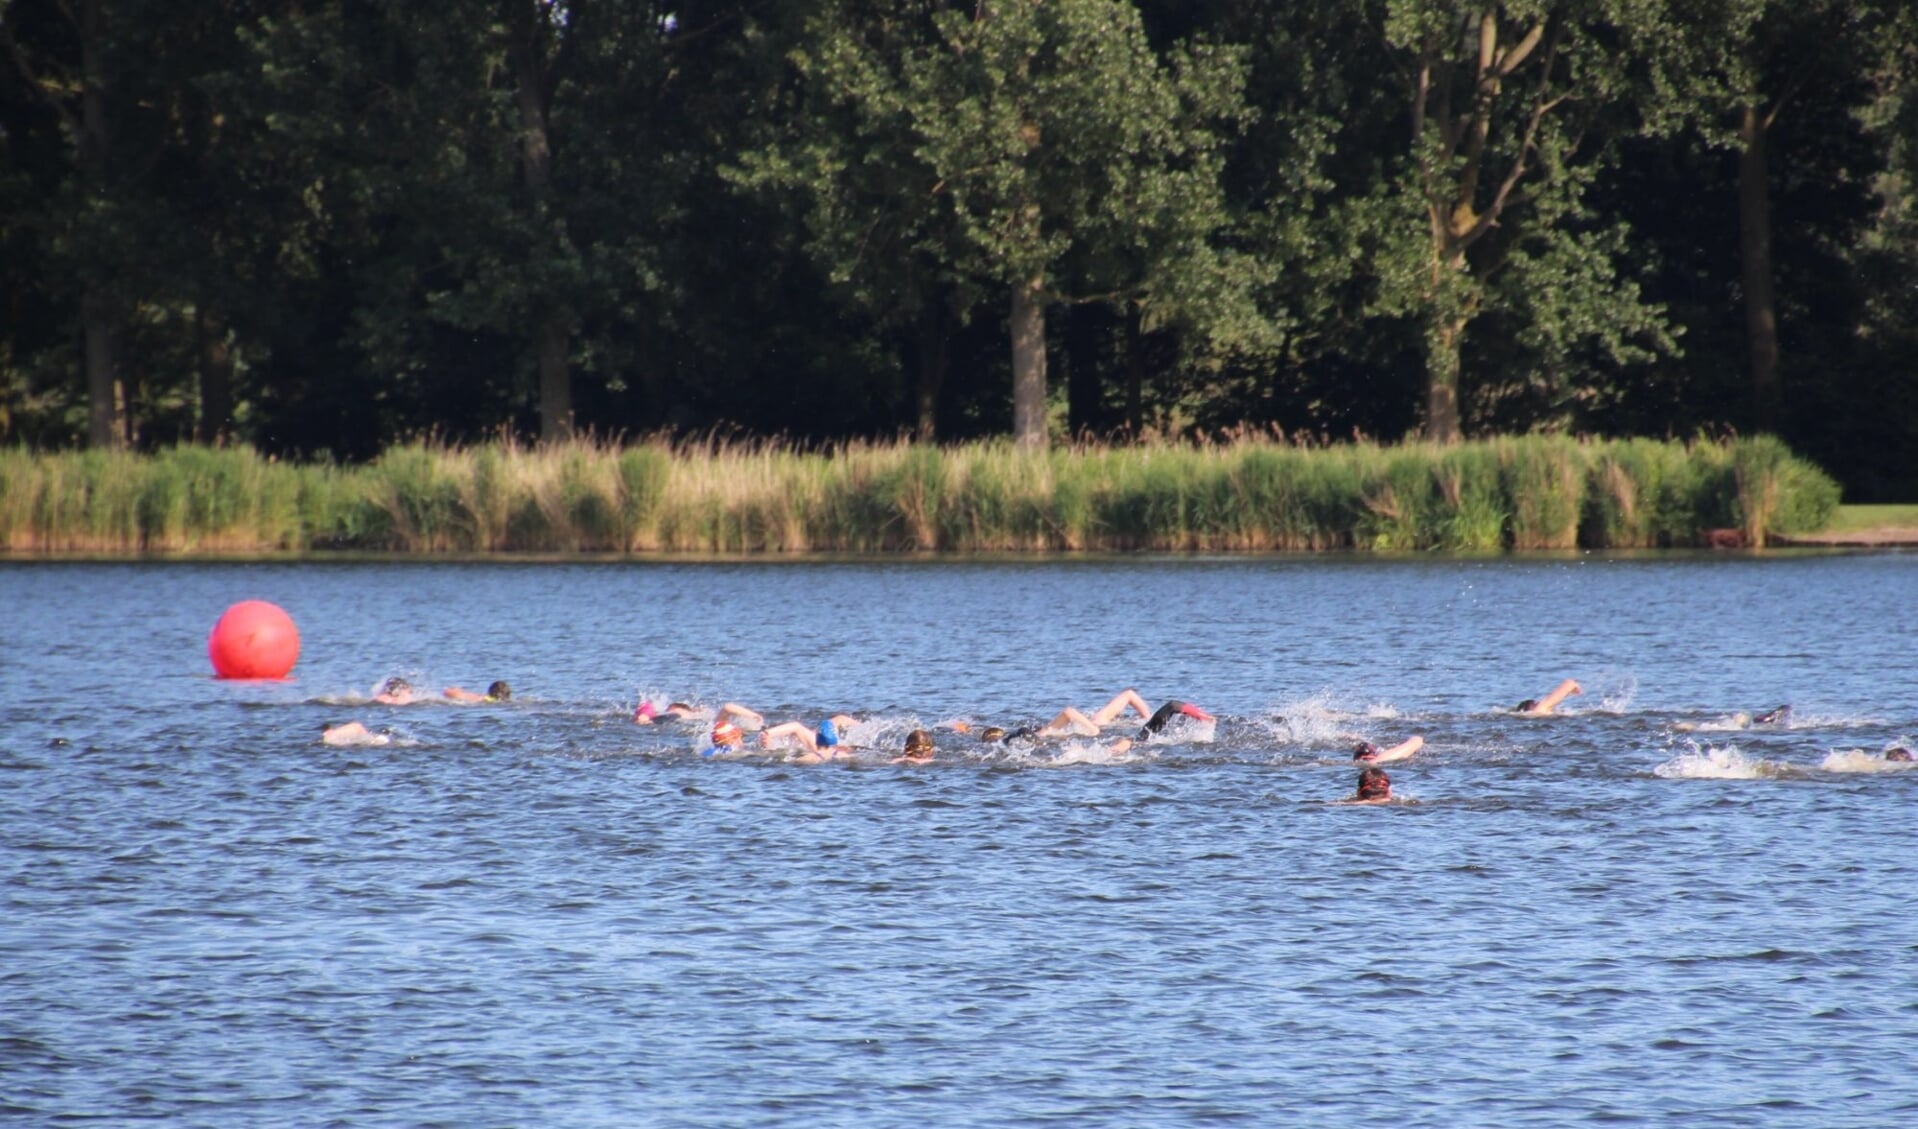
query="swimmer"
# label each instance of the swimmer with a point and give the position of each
(351, 733)
(1375, 787)
(918, 749)
(1898, 753)
(1739, 720)
(396, 692)
(727, 737)
(1539, 707)
(822, 744)
(647, 714)
(1371, 754)
(1072, 723)
(1167, 712)
(1019, 735)
(497, 692)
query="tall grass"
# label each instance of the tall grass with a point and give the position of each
(724, 497)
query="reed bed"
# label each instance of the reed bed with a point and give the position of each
(742, 497)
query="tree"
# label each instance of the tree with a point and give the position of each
(1042, 150)
(1756, 60)
(65, 53)
(1506, 103)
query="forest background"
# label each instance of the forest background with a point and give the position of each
(323, 228)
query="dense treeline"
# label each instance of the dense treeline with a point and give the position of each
(1249, 494)
(322, 228)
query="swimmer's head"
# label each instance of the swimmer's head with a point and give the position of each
(1365, 751)
(828, 734)
(961, 727)
(499, 691)
(726, 734)
(1194, 712)
(645, 714)
(919, 745)
(1898, 754)
(992, 733)
(1526, 706)
(1778, 716)
(1374, 784)
(395, 685)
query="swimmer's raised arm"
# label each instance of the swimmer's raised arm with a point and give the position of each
(794, 731)
(1536, 707)
(1114, 709)
(1372, 754)
(747, 719)
(1167, 712)
(1070, 723)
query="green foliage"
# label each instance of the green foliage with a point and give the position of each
(581, 496)
(326, 229)
(1544, 477)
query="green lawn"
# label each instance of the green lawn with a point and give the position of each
(1851, 519)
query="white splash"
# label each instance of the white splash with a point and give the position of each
(1313, 721)
(1613, 691)
(1711, 763)
(1858, 760)
(1088, 752)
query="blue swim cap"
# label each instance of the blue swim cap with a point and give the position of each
(828, 733)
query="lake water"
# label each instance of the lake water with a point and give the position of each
(539, 913)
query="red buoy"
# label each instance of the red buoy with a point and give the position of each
(254, 639)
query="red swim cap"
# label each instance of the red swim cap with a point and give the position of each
(726, 733)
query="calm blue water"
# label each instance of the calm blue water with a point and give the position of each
(539, 913)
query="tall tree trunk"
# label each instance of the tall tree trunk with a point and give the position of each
(1134, 372)
(1029, 364)
(1441, 379)
(934, 358)
(216, 378)
(1085, 384)
(555, 382)
(103, 407)
(554, 330)
(97, 308)
(1754, 242)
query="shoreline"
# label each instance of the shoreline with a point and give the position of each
(1807, 545)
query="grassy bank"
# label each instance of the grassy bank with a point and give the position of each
(1530, 492)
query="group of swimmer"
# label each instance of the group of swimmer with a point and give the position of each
(400, 692)
(827, 741)
(816, 744)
